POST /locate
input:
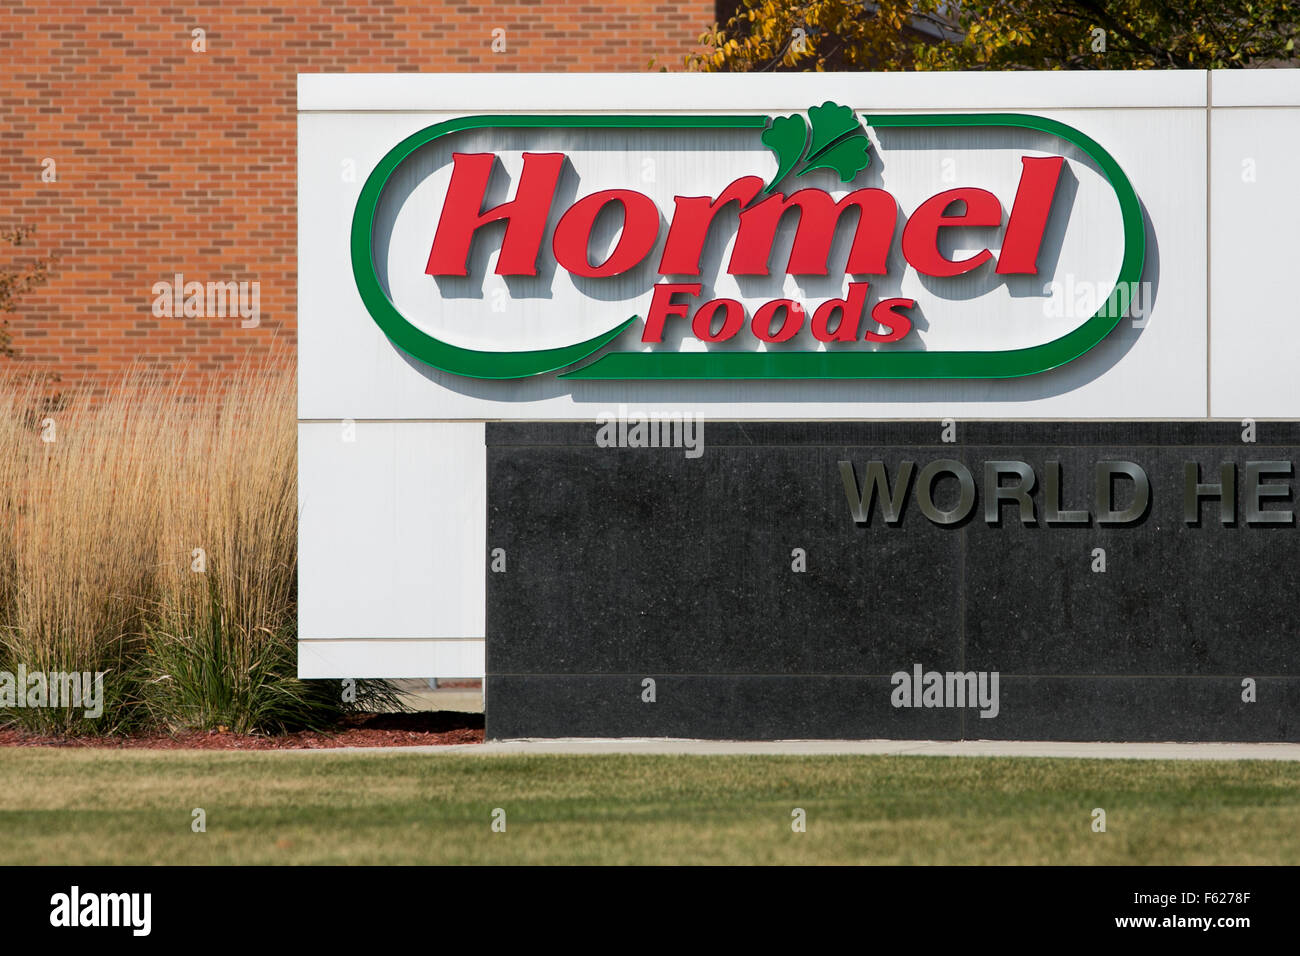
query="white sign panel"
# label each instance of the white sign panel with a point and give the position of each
(800, 247)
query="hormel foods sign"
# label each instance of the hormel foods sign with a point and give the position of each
(832, 245)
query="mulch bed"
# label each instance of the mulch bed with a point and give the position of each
(360, 730)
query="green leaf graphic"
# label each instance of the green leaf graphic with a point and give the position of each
(835, 141)
(787, 137)
(848, 158)
(830, 121)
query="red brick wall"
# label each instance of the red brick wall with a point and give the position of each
(170, 160)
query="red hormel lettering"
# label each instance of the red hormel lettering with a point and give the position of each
(819, 213)
(756, 219)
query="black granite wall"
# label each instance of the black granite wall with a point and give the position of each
(622, 564)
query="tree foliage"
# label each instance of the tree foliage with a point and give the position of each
(790, 36)
(15, 282)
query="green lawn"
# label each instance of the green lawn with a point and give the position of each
(97, 806)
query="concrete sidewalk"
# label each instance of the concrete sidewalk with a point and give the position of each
(805, 748)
